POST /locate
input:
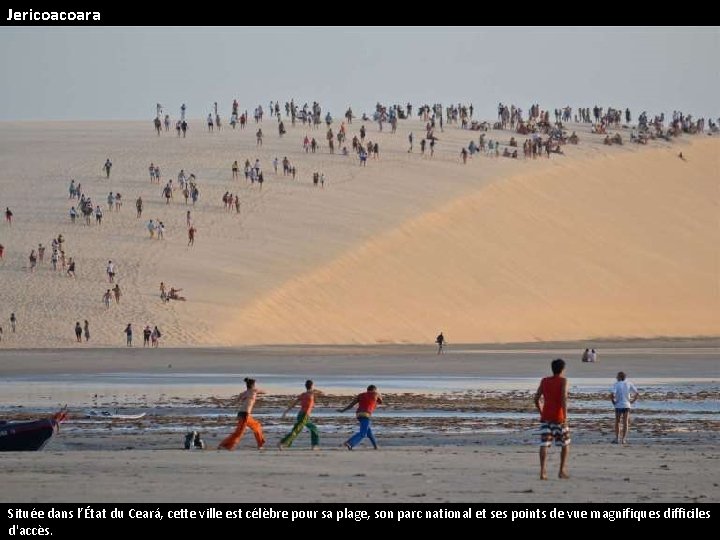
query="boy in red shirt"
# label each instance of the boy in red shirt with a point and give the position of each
(366, 402)
(553, 392)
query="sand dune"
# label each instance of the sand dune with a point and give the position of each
(605, 241)
(610, 246)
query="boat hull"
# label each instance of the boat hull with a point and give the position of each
(25, 436)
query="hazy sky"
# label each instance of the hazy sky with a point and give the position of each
(78, 73)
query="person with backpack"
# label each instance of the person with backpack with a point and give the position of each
(155, 337)
(440, 340)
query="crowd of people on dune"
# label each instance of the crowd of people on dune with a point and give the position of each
(538, 135)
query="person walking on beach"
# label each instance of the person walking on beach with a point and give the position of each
(366, 402)
(111, 272)
(235, 169)
(106, 299)
(78, 332)
(86, 330)
(13, 322)
(306, 400)
(128, 333)
(551, 402)
(440, 340)
(245, 420)
(107, 167)
(8, 216)
(139, 207)
(116, 291)
(623, 394)
(191, 235)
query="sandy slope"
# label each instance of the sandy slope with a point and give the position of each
(610, 246)
(604, 241)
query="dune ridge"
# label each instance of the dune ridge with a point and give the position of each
(621, 246)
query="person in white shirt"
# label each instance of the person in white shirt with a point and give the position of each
(622, 395)
(111, 271)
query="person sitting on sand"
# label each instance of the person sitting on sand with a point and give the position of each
(173, 294)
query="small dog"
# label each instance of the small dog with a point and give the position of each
(193, 441)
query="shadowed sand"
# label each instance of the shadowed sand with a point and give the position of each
(609, 246)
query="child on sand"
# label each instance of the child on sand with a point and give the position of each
(623, 394)
(306, 400)
(366, 402)
(551, 401)
(247, 402)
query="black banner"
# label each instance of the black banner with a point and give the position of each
(103, 14)
(66, 520)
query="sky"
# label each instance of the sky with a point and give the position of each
(122, 72)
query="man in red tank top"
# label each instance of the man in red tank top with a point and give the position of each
(366, 402)
(551, 401)
(306, 400)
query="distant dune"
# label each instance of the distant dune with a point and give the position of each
(623, 246)
(604, 241)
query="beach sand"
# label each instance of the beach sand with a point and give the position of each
(605, 241)
(478, 473)
(440, 441)
(603, 246)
